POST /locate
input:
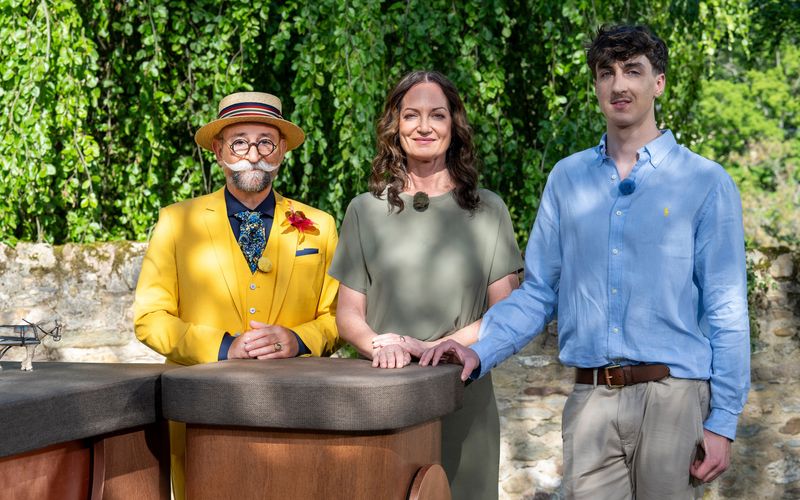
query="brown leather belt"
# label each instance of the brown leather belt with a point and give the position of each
(619, 376)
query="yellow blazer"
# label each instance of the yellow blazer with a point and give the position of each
(195, 284)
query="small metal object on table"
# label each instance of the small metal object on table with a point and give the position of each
(29, 336)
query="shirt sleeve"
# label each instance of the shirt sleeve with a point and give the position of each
(349, 266)
(721, 277)
(513, 322)
(225, 346)
(507, 258)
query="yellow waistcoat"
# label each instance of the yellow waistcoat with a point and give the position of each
(195, 284)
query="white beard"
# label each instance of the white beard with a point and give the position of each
(252, 177)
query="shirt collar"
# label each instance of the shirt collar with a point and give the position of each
(659, 147)
(234, 206)
(656, 150)
(601, 149)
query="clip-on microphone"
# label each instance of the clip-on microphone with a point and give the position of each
(627, 186)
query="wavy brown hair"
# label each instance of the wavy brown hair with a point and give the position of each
(389, 165)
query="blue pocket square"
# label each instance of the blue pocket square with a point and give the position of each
(306, 251)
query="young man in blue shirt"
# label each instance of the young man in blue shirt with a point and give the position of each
(638, 245)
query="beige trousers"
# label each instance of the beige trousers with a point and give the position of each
(636, 442)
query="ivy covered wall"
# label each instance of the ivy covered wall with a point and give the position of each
(100, 100)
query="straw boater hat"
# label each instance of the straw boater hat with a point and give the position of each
(257, 107)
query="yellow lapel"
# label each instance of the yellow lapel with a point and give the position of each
(225, 247)
(281, 248)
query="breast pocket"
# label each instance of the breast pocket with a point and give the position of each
(677, 239)
(308, 273)
(666, 232)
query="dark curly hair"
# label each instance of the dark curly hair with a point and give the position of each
(620, 43)
(389, 165)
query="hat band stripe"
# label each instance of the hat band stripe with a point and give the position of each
(250, 109)
(250, 112)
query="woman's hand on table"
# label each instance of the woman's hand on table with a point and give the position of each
(411, 345)
(390, 356)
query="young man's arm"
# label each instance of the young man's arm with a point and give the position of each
(513, 322)
(720, 274)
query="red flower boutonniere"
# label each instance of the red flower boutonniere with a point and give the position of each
(298, 220)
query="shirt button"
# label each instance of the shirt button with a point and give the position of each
(615, 251)
(614, 177)
(615, 330)
(252, 286)
(619, 212)
(614, 290)
(252, 310)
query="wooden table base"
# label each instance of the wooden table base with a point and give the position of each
(130, 464)
(248, 463)
(57, 472)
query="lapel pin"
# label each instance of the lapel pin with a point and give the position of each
(264, 265)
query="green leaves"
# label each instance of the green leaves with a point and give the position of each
(100, 100)
(753, 118)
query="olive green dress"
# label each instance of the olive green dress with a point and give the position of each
(425, 274)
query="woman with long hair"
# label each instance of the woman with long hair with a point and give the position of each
(423, 255)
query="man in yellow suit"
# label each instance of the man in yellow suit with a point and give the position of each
(241, 272)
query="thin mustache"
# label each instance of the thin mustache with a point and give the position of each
(242, 165)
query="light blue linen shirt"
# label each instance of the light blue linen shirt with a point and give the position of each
(657, 276)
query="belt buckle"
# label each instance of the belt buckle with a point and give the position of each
(608, 377)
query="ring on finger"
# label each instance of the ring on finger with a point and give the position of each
(278, 346)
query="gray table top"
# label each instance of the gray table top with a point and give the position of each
(58, 402)
(310, 393)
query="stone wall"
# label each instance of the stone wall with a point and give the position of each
(90, 289)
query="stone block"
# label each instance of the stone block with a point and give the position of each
(87, 354)
(557, 400)
(99, 336)
(35, 256)
(544, 474)
(784, 331)
(791, 427)
(502, 376)
(782, 267)
(136, 352)
(784, 471)
(790, 405)
(529, 450)
(529, 413)
(545, 428)
(757, 256)
(519, 483)
(536, 361)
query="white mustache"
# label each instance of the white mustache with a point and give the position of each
(242, 165)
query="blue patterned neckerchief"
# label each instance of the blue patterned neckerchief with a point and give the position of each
(252, 239)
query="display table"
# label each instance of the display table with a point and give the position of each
(83, 430)
(312, 428)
